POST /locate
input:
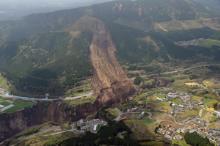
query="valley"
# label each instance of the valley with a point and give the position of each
(181, 105)
(116, 73)
(166, 107)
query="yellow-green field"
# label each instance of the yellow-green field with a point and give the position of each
(80, 101)
(180, 142)
(209, 43)
(84, 87)
(187, 113)
(16, 105)
(3, 82)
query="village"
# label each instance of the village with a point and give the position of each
(83, 126)
(171, 112)
(180, 103)
(195, 123)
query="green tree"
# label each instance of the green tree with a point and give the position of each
(138, 80)
(195, 139)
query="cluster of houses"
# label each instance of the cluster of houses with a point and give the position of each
(83, 126)
(214, 135)
(173, 133)
(181, 95)
(170, 133)
(185, 104)
(196, 123)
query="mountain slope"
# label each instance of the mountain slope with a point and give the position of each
(41, 54)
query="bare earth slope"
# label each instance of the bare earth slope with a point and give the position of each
(110, 82)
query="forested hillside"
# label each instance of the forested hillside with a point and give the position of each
(39, 54)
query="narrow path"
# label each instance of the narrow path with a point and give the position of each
(57, 133)
(80, 96)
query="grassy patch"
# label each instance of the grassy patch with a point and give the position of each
(187, 113)
(160, 95)
(57, 139)
(141, 97)
(164, 106)
(179, 142)
(84, 87)
(19, 105)
(196, 98)
(179, 85)
(209, 43)
(152, 143)
(30, 131)
(82, 100)
(177, 100)
(4, 102)
(209, 116)
(209, 102)
(3, 82)
(114, 112)
(148, 121)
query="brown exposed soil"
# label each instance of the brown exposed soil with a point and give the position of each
(110, 82)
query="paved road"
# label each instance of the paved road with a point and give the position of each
(28, 98)
(44, 99)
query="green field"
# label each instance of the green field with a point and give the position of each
(3, 82)
(210, 102)
(180, 142)
(82, 88)
(209, 43)
(80, 101)
(18, 105)
(4, 102)
(187, 114)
